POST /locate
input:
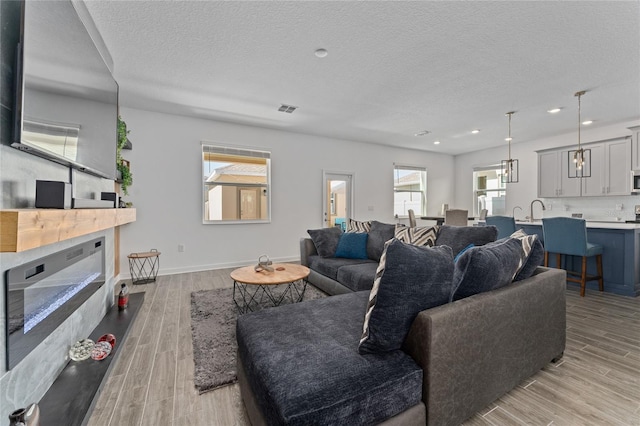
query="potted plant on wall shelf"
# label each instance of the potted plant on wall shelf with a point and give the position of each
(125, 178)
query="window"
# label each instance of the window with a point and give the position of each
(489, 190)
(409, 190)
(236, 185)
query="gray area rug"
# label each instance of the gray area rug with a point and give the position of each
(213, 330)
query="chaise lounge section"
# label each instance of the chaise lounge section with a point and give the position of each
(299, 364)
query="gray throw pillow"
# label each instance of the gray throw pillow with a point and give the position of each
(379, 234)
(326, 240)
(459, 237)
(409, 280)
(487, 268)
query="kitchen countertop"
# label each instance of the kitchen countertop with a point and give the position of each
(592, 224)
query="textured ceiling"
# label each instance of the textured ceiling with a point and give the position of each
(393, 68)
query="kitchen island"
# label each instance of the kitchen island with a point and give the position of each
(620, 259)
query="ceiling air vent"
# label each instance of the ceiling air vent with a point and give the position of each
(287, 108)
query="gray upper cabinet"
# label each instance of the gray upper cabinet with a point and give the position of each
(553, 175)
(610, 168)
(610, 163)
(635, 147)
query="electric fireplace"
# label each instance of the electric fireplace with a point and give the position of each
(43, 293)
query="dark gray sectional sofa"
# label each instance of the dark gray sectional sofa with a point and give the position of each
(338, 276)
(300, 364)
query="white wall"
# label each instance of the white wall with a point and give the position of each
(167, 189)
(522, 193)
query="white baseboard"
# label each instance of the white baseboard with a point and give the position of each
(208, 267)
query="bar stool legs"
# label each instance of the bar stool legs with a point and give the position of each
(583, 277)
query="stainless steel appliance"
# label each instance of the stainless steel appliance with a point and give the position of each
(635, 181)
(637, 210)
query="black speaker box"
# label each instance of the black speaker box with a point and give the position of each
(52, 194)
(110, 196)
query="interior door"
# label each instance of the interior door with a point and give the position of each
(337, 198)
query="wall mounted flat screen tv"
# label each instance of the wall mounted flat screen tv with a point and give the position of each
(66, 98)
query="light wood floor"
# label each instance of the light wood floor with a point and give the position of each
(597, 382)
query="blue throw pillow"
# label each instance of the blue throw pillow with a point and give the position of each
(409, 280)
(352, 245)
(487, 268)
(455, 259)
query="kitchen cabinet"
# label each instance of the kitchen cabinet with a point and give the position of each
(553, 175)
(610, 168)
(635, 147)
(609, 163)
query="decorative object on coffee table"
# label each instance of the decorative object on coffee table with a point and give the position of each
(264, 264)
(252, 288)
(144, 266)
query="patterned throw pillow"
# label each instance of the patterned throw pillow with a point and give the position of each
(409, 279)
(533, 254)
(358, 226)
(418, 236)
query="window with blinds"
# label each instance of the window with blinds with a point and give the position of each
(409, 190)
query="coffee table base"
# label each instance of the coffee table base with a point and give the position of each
(253, 297)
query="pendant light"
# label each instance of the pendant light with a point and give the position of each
(579, 166)
(510, 166)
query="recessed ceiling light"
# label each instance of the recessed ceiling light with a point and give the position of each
(436, 143)
(422, 133)
(554, 110)
(474, 131)
(587, 122)
(508, 139)
(321, 53)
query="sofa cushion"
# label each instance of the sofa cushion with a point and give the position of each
(358, 277)
(409, 279)
(487, 267)
(379, 234)
(358, 226)
(329, 266)
(352, 245)
(326, 240)
(533, 252)
(459, 237)
(417, 236)
(303, 365)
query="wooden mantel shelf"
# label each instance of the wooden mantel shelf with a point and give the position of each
(24, 229)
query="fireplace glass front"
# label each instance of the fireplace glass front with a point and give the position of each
(43, 293)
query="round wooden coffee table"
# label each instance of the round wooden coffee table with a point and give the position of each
(255, 290)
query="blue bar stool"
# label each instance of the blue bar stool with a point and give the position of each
(506, 225)
(565, 235)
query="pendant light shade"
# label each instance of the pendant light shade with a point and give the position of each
(579, 159)
(509, 167)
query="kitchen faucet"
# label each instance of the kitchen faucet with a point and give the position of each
(541, 203)
(513, 211)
